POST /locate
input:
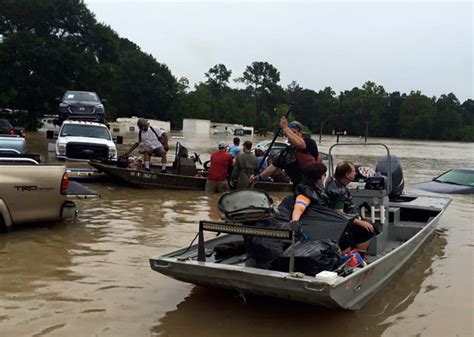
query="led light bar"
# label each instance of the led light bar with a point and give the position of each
(223, 227)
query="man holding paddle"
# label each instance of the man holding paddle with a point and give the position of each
(292, 159)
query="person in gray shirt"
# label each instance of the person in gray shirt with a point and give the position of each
(245, 166)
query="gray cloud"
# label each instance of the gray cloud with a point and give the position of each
(403, 46)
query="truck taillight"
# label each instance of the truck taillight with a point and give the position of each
(12, 132)
(64, 184)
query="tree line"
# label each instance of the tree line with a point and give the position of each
(51, 46)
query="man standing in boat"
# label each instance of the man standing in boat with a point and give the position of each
(155, 143)
(221, 162)
(245, 164)
(361, 232)
(292, 159)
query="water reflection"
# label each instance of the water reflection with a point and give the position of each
(211, 312)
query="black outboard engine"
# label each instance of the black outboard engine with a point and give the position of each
(398, 182)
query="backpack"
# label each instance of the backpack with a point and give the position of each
(151, 128)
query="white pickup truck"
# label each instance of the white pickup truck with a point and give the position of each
(83, 140)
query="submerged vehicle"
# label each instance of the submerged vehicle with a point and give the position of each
(404, 224)
(30, 192)
(455, 181)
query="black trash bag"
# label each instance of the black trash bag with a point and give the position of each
(229, 249)
(311, 257)
(265, 250)
(317, 222)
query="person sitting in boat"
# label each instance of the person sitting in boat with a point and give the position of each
(221, 161)
(301, 151)
(245, 164)
(155, 143)
(311, 190)
(361, 232)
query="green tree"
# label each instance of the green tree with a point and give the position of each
(391, 115)
(416, 117)
(218, 80)
(262, 80)
(447, 119)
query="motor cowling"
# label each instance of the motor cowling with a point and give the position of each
(398, 183)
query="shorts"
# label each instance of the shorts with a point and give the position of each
(217, 186)
(157, 151)
(356, 235)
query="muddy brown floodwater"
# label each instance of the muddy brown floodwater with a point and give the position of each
(91, 276)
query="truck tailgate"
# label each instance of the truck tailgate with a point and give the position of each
(79, 191)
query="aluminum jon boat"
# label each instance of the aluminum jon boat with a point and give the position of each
(171, 180)
(404, 224)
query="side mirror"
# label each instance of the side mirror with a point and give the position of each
(103, 100)
(119, 140)
(58, 98)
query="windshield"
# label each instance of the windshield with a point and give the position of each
(81, 96)
(460, 177)
(72, 130)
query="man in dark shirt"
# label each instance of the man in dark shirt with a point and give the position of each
(292, 159)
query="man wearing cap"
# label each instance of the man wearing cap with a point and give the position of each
(244, 166)
(155, 143)
(221, 161)
(292, 159)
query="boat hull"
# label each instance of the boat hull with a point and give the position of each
(151, 179)
(172, 181)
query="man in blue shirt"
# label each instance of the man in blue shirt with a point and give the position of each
(235, 149)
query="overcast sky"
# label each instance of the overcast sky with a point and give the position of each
(403, 46)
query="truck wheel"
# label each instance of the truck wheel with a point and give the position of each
(3, 226)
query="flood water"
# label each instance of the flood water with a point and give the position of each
(91, 276)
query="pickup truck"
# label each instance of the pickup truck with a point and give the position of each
(83, 140)
(30, 192)
(33, 194)
(15, 143)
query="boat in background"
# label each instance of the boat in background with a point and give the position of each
(183, 177)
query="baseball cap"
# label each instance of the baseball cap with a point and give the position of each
(221, 144)
(295, 125)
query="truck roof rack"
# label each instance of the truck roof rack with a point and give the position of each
(17, 161)
(15, 155)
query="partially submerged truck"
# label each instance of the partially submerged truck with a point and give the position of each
(30, 192)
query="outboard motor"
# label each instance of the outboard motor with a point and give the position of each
(398, 182)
